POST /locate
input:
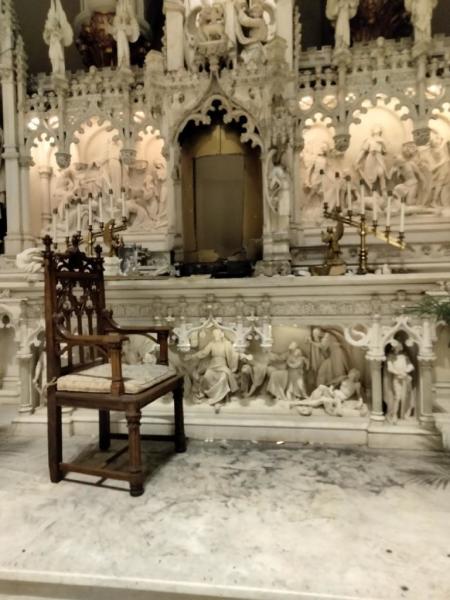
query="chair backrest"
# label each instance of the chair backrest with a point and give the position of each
(74, 302)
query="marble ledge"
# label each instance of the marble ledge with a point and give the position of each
(32, 585)
(202, 425)
(32, 284)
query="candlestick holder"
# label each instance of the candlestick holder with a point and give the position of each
(359, 222)
(108, 231)
(110, 237)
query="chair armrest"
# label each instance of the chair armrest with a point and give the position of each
(111, 340)
(162, 333)
(111, 325)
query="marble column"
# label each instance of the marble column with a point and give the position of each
(13, 240)
(24, 359)
(174, 12)
(424, 405)
(267, 232)
(296, 227)
(376, 413)
(25, 163)
(45, 174)
(178, 206)
(170, 195)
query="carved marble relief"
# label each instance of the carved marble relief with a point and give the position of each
(100, 170)
(220, 372)
(385, 162)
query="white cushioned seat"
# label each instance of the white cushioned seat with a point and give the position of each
(136, 378)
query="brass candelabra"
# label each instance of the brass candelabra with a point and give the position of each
(108, 230)
(360, 223)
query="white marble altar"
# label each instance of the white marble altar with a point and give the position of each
(363, 126)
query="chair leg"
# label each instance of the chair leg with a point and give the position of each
(180, 437)
(104, 429)
(134, 450)
(54, 428)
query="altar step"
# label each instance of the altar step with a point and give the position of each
(203, 425)
(63, 586)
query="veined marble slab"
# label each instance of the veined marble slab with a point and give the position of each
(230, 520)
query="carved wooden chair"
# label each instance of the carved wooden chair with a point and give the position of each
(84, 365)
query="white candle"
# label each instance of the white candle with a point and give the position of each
(78, 215)
(338, 190)
(362, 199)
(124, 214)
(402, 217)
(54, 224)
(388, 210)
(322, 182)
(100, 207)
(375, 207)
(349, 193)
(66, 218)
(111, 204)
(90, 209)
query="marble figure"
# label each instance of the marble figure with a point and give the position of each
(57, 34)
(251, 25)
(279, 194)
(415, 177)
(343, 392)
(218, 381)
(398, 383)
(371, 161)
(30, 260)
(39, 381)
(436, 157)
(328, 359)
(297, 364)
(339, 12)
(421, 12)
(277, 376)
(125, 29)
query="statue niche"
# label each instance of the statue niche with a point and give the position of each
(222, 205)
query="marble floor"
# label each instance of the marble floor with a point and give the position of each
(231, 520)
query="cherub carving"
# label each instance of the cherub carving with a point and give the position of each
(251, 24)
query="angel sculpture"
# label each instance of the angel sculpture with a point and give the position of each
(252, 28)
(339, 12)
(57, 34)
(421, 13)
(211, 22)
(206, 33)
(125, 29)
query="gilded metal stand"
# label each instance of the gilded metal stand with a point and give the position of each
(364, 230)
